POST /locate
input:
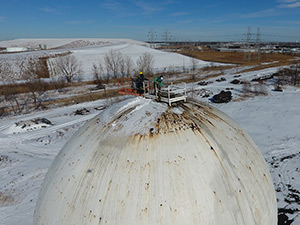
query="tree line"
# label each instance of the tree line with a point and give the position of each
(289, 76)
(24, 87)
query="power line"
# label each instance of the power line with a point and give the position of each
(152, 37)
(248, 37)
(258, 43)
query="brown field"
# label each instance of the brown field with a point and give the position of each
(86, 97)
(239, 58)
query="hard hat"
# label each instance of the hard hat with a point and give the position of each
(141, 73)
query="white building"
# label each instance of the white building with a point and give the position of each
(16, 49)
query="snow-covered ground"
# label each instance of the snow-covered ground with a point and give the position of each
(272, 121)
(26, 156)
(29, 145)
(163, 61)
(92, 51)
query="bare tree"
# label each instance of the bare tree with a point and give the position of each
(28, 94)
(13, 101)
(112, 61)
(295, 74)
(260, 89)
(128, 66)
(122, 68)
(68, 67)
(145, 64)
(247, 87)
(289, 75)
(34, 68)
(194, 63)
(38, 90)
(6, 72)
(283, 76)
(98, 75)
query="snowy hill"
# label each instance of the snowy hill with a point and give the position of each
(92, 51)
(62, 43)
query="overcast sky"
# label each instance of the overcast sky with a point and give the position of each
(204, 20)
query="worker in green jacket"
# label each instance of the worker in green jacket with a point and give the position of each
(157, 85)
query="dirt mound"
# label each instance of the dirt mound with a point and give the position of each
(81, 43)
(222, 97)
(29, 125)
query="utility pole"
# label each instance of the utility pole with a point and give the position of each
(151, 37)
(258, 43)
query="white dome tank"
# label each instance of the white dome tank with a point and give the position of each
(142, 162)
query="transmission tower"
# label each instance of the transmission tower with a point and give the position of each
(166, 36)
(247, 54)
(151, 37)
(258, 43)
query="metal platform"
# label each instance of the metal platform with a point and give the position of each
(169, 94)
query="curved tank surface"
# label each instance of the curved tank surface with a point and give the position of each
(142, 162)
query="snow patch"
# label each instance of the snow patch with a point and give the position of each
(133, 116)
